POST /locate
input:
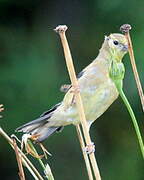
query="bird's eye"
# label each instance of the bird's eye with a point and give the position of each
(115, 42)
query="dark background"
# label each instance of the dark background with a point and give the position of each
(32, 69)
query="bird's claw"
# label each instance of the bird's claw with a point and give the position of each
(64, 88)
(90, 148)
(75, 89)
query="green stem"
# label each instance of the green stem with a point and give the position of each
(49, 175)
(116, 73)
(137, 130)
(40, 161)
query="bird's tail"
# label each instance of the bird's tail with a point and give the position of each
(40, 127)
(40, 130)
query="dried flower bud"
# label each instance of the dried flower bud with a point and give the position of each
(125, 28)
(61, 29)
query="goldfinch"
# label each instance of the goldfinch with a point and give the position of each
(97, 90)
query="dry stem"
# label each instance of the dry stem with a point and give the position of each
(69, 62)
(81, 140)
(125, 29)
(25, 160)
(19, 161)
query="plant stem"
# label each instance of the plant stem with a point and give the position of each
(40, 161)
(48, 176)
(82, 144)
(137, 79)
(116, 73)
(133, 118)
(125, 29)
(25, 160)
(49, 173)
(69, 62)
(19, 160)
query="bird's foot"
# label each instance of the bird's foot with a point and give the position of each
(28, 145)
(90, 148)
(75, 89)
(64, 88)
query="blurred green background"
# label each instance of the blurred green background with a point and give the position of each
(32, 69)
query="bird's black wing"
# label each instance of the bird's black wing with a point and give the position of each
(30, 126)
(50, 110)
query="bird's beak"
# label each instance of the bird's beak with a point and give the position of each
(125, 48)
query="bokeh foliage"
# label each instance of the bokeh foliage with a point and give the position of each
(32, 69)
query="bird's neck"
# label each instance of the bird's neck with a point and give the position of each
(103, 59)
(104, 52)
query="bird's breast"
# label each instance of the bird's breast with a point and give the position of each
(96, 100)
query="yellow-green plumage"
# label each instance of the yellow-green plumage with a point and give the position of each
(96, 87)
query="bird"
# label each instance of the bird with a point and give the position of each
(97, 90)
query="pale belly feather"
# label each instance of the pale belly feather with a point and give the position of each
(96, 101)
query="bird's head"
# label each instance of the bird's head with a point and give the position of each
(116, 45)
